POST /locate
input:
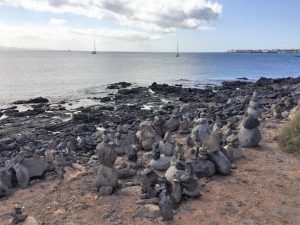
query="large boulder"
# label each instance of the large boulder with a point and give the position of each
(106, 176)
(222, 163)
(203, 168)
(35, 166)
(6, 177)
(249, 137)
(22, 174)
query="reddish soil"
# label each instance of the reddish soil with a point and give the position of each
(264, 189)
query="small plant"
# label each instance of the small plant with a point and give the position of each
(289, 136)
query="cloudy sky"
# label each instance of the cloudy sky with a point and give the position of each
(150, 25)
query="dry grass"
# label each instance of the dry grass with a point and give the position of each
(289, 136)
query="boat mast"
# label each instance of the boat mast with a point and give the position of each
(94, 44)
(177, 55)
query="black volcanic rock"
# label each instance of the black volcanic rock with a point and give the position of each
(32, 101)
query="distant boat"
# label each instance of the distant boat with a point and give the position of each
(94, 52)
(177, 55)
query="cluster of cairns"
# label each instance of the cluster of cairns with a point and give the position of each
(169, 162)
(169, 156)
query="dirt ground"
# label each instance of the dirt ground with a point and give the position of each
(264, 189)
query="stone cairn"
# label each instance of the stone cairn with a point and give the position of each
(249, 134)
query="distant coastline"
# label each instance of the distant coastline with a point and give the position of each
(264, 51)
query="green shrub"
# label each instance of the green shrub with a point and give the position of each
(289, 136)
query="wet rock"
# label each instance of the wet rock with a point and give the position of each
(249, 138)
(32, 101)
(119, 85)
(222, 163)
(106, 176)
(203, 168)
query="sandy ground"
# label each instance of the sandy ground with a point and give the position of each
(264, 189)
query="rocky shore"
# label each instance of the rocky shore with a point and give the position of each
(160, 138)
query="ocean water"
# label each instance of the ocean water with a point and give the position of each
(78, 75)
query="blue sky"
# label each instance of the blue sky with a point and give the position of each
(150, 25)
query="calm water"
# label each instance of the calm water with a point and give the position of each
(65, 75)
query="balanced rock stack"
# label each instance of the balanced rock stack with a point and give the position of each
(107, 177)
(249, 134)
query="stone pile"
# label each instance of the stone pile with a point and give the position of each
(249, 134)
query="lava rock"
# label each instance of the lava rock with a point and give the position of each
(222, 163)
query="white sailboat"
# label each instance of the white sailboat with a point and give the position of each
(94, 52)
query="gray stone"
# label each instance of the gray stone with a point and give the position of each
(249, 122)
(106, 190)
(172, 124)
(106, 176)
(22, 175)
(6, 177)
(203, 168)
(211, 142)
(233, 153)
(62, 145)
(176, 191)
(249, 138)
(222, 163)
(166, 205)
(35, 166)
(173, 173)
(126, 173)
(254, 113)
(169, 148)
(285, 114)
(160, 164)
(106, 154)
(199, 132)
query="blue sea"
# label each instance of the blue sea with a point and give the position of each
(60, 75)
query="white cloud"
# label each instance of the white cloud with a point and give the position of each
(56, 22)
(63, 37)
(154, 15)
